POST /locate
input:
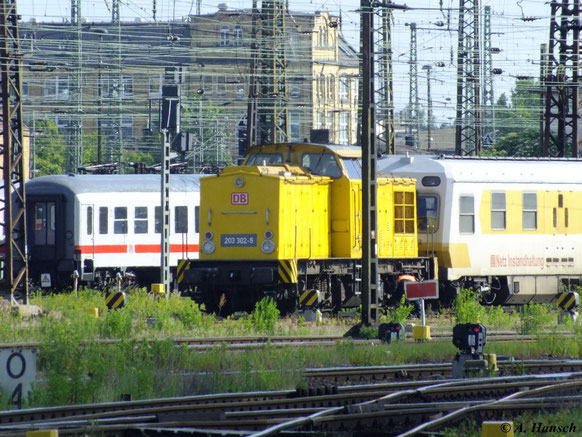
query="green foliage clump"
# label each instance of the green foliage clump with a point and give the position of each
(368, 331)
(534, 317)
(265, 316)
(401, 312)
(497, 318)
(467, 308)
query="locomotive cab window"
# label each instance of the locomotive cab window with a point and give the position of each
(140, 223)
(427, 212)
(530, 211)
(466, 215)
(321, 164)
(265, 159)
(120, 220)
(353, 167)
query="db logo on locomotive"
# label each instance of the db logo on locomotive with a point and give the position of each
(239, 198)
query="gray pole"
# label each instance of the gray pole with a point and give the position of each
(368, 136)
(165, 214)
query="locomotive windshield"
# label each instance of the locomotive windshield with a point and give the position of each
(353, 167)
(265, 159)
(427, 212)
(322, 164)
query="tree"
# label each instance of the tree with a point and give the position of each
(517, 123)
(48, 149)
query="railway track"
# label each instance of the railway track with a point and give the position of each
(244, 342)
(397, 408)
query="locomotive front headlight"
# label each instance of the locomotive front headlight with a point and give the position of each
(268, 246)
(208, 247)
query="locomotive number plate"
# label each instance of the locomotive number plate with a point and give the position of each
(238, 240)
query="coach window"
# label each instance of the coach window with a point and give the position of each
(466, 215)
(530, 211)
(140, 224)
(89, 220)
(427, 212)
(197, 219)
(181, 219)
(498, 211)
(120, 220)
(103, 220)
(158, 219)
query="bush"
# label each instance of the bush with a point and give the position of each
(467, 308)
(498, 318)
(401, 312)
(533, 318)
(265, 316)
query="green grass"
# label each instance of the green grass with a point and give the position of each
(73, 367)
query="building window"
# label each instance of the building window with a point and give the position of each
(181, 219)
(355, 89)
(530, 211)
(295, 88)
(238, 36)
(354, 128)
(403, 212)
(110, 126)
(329, 121)
(120, 220)
(466, 215)
(331, 87)
(321, 87)
(343, 128)
(206, 85)
(140, 223)
(319, 120)
(155, 86)
(112, 89)
(295, 125)
(221, 86)
(57, 87)
(498, 211)
(24, 88)
(343, 89)
(103, 220)
(323, 36)
(224, 36)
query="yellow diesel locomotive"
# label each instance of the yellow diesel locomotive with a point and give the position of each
(288, 224)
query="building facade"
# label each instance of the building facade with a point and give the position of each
(103, 82)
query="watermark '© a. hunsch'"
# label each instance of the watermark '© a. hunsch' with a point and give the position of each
(540, 427)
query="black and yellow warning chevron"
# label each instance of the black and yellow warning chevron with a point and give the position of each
(183, 265)
(115, 300)
(309, 298)
(568, 301)
(287, 271)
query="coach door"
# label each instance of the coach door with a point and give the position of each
(43, 241)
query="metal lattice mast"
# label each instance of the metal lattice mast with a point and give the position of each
(384, 94)
(75, 136)
(543, 66)
(13, 203)
(414, 122)
(116, 90)
(271, 77)
(488, 106)
(561, 81)
(468, 119)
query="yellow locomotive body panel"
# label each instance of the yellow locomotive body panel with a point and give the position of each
(245, 206)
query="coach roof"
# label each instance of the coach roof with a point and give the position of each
(78, 184)
(472, 169)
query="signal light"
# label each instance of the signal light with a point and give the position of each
(470, 338)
